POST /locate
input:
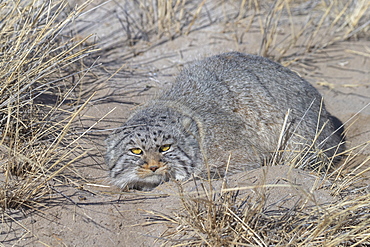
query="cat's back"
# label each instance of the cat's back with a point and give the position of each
(243, 100)
(232, 79)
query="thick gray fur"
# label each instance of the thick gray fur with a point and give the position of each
(225, 110)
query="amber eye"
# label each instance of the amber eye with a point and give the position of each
(164, 148)
(137, 151)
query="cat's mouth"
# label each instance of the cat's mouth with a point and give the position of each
(148, 170)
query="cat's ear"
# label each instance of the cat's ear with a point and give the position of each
(190, 126)
(186, 122)
(111, 143)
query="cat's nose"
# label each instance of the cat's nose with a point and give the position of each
(153, 168)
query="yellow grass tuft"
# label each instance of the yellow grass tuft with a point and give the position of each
(316, 25)
(244, 216)
(170, 19)
(38, 102)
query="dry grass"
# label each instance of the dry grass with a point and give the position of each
(246, 216)
(324, 24)
(221, 221)
(292, 29)
(40, 70)
(147, 20)
(289, 30)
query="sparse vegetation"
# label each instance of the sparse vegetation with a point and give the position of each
(245, 216)
(325, 24)
(40, 70)
(291, 30)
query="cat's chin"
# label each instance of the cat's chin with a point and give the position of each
(148, 183)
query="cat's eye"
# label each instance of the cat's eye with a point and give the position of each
(137, 151)
(164, 148)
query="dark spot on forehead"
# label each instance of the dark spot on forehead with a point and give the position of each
(166, 136)
(131, 142)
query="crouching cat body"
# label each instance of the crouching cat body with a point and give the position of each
(231, 109)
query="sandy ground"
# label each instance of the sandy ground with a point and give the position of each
(93, 214)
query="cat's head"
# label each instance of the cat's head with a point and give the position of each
(142, 156)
